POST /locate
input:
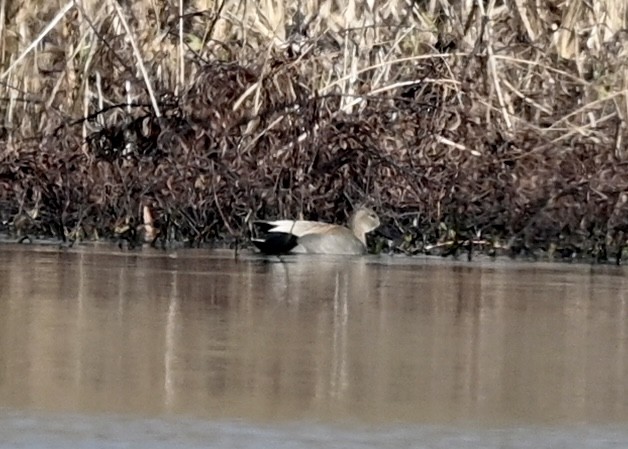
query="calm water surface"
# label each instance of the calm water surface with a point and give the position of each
(103, 348)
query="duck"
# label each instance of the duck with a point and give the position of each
(315, 237)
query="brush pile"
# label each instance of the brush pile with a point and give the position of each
(496, 130)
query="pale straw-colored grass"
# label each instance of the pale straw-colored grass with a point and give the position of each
(61, 59)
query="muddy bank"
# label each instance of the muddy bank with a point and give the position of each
(454, 157)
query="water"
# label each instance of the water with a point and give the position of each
(103, 348)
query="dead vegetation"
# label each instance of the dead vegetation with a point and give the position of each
(467, 125)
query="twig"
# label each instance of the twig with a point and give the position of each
(138, 56)
(45, 31)
(491, 61)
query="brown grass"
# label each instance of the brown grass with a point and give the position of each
(466, 124)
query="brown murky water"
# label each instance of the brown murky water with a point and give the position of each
(107, 348)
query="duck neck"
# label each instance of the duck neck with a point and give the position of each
(359, 232)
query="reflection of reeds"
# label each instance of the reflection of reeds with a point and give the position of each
(461, 123)
(95, 330)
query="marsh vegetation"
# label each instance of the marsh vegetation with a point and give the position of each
(497, 126)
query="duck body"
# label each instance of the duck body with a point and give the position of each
(303, 236)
